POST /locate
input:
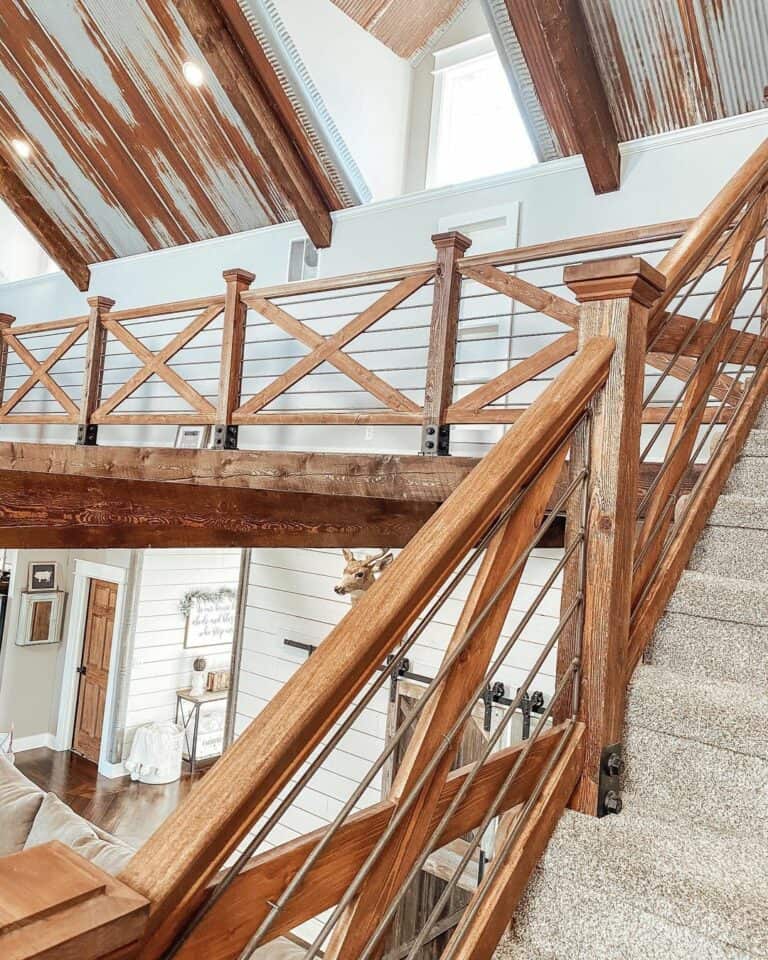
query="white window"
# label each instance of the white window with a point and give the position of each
(477, 129)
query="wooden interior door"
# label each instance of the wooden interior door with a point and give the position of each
(94, 669)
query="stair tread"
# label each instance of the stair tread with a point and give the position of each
(729, 715)
(697, 880)
(702, 647)
(724, 549)
(566, 921)
(740, 510)
(730, 599)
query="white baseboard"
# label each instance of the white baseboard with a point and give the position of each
(33, 742)
(112, 770)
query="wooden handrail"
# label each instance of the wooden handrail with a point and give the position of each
(706, 229)
(191, 845)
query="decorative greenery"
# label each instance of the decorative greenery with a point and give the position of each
(192, 597)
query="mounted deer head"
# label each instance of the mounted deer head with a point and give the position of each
(360, 575)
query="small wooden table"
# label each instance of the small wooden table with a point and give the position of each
(193, 716)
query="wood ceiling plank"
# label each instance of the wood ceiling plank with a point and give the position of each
(208, 24)
(404, 26)
(557, 49)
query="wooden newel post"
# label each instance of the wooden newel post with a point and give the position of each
(232, 347)
(5, 322)
(87, 432)
(441, 360)
(615, 296)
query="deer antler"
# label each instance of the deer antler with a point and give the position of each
(376, 557)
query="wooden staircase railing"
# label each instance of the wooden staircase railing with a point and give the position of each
(214, 887)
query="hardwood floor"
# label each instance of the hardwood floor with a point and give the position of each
(129, 810)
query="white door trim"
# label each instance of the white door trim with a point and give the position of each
(85, 571)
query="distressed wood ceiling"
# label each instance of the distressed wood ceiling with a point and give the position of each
(126, 156)
(405, 26)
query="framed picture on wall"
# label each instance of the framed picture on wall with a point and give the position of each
(40, 618)
(42, 577)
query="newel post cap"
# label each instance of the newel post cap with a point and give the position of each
(6, 319)
(239, 275)
(453, 238)
(100, 303)
(617, 278)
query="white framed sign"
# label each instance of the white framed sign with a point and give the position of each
(40, 618)
(210, 618)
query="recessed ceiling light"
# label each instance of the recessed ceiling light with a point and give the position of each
(193, 73)
(22, 148)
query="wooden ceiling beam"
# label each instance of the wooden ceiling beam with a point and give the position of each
(48, 510)
(555, 42)
(237, 72)
(42, 226)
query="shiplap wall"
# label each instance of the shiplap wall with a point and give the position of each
(161, 663)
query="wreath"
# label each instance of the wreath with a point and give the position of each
(193, 597)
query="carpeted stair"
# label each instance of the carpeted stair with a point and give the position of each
(683, 871)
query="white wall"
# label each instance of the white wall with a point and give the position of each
(365, 86)
(161, 663)
(30, 677)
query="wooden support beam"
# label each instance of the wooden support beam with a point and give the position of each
(441, 358)
(380, 476)
(96, 345)
(491, 585)
(232, 350)
(478, 933)
(56, 510)
(555, 42)
(245, 905)
(616, 296)
(208, 23)
(190, 846)
(42, 226)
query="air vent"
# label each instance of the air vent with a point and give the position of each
(302, 260)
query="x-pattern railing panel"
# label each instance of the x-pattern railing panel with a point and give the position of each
(330, 349)
(41, 373)
(159, 364)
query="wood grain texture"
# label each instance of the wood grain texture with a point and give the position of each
(477, 938)
(381, 476)
(443, 333)
(403, 26)
(523, 292)
(609, 448)
(492, 583)
(232, 344)
(58, 906)
(245, 904)
(96, 345)
(247, 778)
(56, 510)
(557, 48)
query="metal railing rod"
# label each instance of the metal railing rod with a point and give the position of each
(510, 840)
(242, 859)
(489, 815)
(446, 666)
(405, 803)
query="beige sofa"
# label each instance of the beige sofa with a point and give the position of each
(29, 817)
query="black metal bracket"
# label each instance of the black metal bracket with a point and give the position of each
(609, 786)
(225, 436)
(401, 670)
(87, 435)
(436, 440)
(493, 693)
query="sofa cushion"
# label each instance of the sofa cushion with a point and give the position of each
(20, 801)
(56, 821)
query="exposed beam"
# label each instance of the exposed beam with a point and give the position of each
(555, 42)
(55, 510)
(382, 476)
(42, 227)
(246, 903)
(237, 73)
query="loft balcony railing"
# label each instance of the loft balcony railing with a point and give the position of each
(664, 360)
